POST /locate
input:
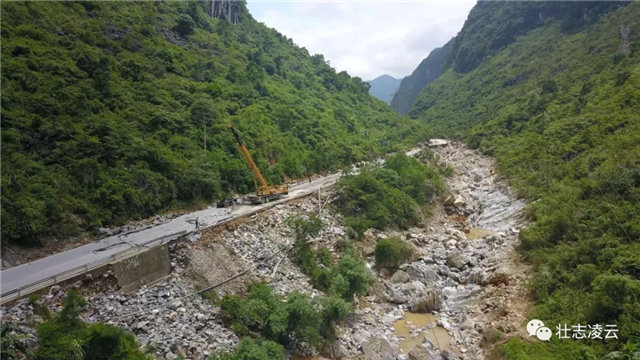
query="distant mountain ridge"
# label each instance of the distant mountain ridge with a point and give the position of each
(384, 87)
(428, 70)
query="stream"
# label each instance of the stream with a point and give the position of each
(468, 275)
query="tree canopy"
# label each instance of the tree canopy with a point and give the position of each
(107, 107)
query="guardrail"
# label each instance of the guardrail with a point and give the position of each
(18, 293)
(79, 270)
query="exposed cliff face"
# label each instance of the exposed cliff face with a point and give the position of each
(428, 70)
(384, 87)
(227, 9)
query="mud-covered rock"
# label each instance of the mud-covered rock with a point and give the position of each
(377, 348)
(431, 300)
(422, 353)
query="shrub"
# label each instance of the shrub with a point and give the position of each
(65, 336)
(253, 349)
(12, 344)
(304, 228)
(185, 25)
(392, 252)
(348, 277)
(392, 195)
(106, 342)
(265, 314)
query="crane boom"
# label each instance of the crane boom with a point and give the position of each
(247, 156)
(264, 192)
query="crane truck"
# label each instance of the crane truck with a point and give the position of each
(264, 192)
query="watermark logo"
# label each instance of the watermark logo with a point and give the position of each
(536, 328)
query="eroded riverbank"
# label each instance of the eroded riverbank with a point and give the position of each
(467, 278)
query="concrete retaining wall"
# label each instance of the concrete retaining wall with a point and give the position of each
(143, 268)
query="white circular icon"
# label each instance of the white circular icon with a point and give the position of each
(543, 333)
(534, 325)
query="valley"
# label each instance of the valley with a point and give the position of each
(391, 243)
(478, 280)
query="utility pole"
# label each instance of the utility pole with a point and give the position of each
(204, 126)
(624, 39)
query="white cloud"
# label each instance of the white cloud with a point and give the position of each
(366, 38)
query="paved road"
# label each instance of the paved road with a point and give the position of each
(103, 251)
(69, 263)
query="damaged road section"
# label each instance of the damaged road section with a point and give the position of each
(465, 284)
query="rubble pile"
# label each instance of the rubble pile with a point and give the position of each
(465, 275)
(471, 284)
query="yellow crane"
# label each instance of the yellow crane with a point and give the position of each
(264, 192)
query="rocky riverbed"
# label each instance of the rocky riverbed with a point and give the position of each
(466, 277)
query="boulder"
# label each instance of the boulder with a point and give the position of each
(400, 277)
(431, 300)
(421, 272)
(337, 350)
(421, 353)
(456, 259)
(395, 295)
(448, 355)
(476, 277)
(412, 287)
(377, 348)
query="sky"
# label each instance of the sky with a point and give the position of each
(367, 38)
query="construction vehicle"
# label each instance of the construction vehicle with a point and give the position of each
(264, 192)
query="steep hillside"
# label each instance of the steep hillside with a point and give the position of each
(383, 87)
(428, 70)
(489, 28)
(493, 25)
(559, 108)
(117, 110)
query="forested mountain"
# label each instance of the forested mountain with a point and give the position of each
(488, 29)
(383, 87)
(428, 70)
(492, 25)
(559, 107)
(117, 110)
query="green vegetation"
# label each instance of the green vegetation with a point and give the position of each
(392, 195)
(64, 336)
(344, 278)
(11, 343)
(253, 349)
(117, 110)
(296, 319)
(392, 252)
(559, 110)
(491, 26)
